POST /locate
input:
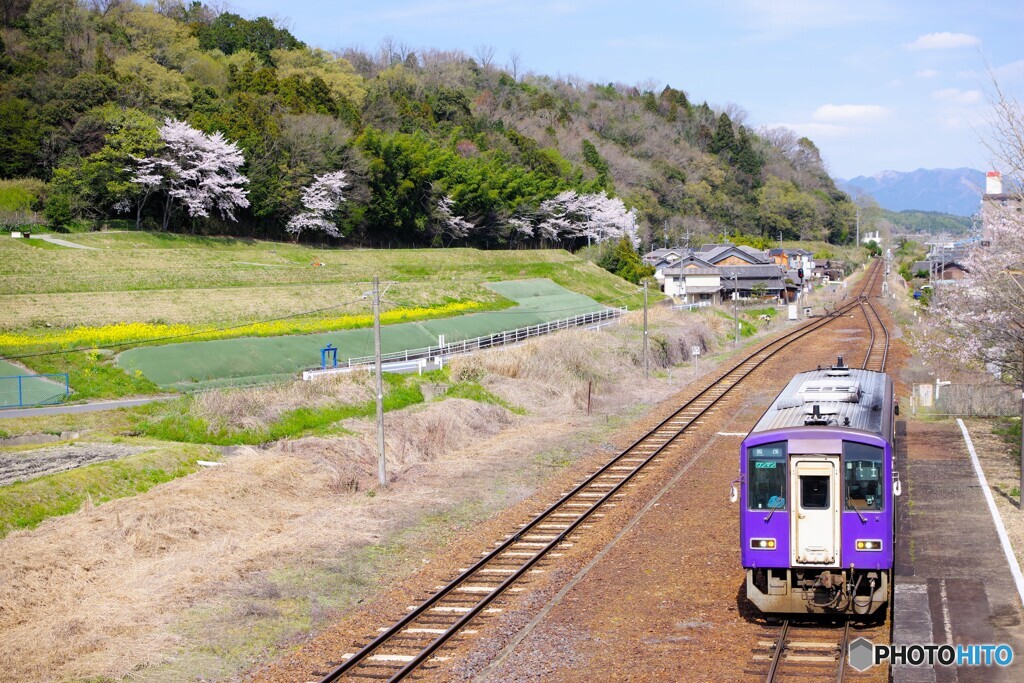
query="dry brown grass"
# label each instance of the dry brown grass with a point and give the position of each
(555, 373)
(113, 584)
(214, 306)
(109, 582)
(255, 407)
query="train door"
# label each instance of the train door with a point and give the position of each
(815, 522)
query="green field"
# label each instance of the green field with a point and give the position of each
(214, 282)
(250, 359)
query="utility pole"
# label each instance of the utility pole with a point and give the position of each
(735, 303)
(858, 226)
(647, 374)
(382, 474)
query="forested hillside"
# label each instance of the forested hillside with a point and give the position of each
(397, 146)
(930, 222)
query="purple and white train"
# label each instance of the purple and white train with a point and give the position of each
(816, 490)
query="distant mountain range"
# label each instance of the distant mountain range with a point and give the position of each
(957, 191)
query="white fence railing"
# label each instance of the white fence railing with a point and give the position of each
(690, 307)
(412, 357)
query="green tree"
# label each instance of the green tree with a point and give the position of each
(724, 139)
(594, 160)
(624, 261)
(21, 136)
(230, 33)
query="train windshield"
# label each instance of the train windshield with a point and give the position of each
(766, 474)
(864, 476)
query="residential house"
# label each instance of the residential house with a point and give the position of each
(941, 267)
(766, 280)
(793, 258)
(660, 259)
(731, 255)
(693, 280)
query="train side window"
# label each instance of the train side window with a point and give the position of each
(766, 476)
(864, 476)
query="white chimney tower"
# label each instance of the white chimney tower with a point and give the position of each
(993, 183)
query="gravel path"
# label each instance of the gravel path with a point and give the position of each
(25, 465)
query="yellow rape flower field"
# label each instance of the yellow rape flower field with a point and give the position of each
(139, 332)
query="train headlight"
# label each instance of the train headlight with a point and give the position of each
(869, 545)
(762, 544)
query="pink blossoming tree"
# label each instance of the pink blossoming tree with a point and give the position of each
(196, 170)
(321, 200)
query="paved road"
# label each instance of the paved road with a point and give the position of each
(81, 407)
(64, 243)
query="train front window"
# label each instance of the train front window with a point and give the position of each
(766, 476)
(814, 492)
(864, 476)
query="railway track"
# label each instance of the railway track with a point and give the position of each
(415, 639)
(878, 345)
(801, 652)
(818, 652)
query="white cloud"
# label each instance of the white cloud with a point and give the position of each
(817, 131)
(943, 41)
(1009, 72)
(957, 96)
(850, 113)
(926, 73)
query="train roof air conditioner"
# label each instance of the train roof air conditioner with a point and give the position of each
(843, 390)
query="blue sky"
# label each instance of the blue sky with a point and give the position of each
(878, 85)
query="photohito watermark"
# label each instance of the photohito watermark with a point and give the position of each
(864, 654)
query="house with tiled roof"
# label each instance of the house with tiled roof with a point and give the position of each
(732, 255)
(754, 280)
(693, 280)
(660, 259)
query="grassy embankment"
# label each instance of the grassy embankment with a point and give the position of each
(26, 504)
(135, 286)
(23, 505)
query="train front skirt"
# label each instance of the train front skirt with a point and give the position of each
(818, 591)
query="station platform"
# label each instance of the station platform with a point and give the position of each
(953, 584)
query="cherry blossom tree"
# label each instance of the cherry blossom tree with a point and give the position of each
(447, 224)
(199, 171)
(979, 320)
(983, 313)
(597, 217)
(321, 200)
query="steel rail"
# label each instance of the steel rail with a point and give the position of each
(777, 656)
(869, 311)
(844, 647)
(782, 644)
(368, 650)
